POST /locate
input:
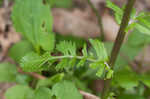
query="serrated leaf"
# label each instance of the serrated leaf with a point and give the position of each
(100, 50)
(19, 92)
(8, 72)
(66, 90)
(32, 20)
(43, 93)
(32, 62)
(19, 50)
(84, 51)
(67, 48)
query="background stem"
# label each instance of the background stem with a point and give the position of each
(99, 19)
(119, 41)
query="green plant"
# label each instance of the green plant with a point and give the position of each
(54, 68)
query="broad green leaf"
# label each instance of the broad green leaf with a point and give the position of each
(50, 81)
(32, 20)
(19, 50)
(66, 90)
(100, 50)
(126, 79)
(19, 92)
(32, 62)
(8, 72)
(42, 93)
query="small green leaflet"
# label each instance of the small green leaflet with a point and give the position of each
(34, 21)
(100, 50)
(66, 90)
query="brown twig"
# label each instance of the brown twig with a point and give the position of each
(99, 18)
(88, 95)
(35, 75)
(119, 41)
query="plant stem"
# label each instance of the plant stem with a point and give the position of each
(119, 41)
(99, 19)
(77, 57)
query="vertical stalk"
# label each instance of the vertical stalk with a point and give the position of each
(119, 41)
(99, 19)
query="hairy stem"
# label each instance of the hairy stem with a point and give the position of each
(119, 41)
(99, 19)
